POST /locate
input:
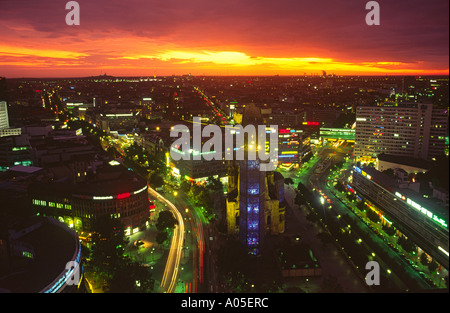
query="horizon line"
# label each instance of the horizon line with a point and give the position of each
(230, 75)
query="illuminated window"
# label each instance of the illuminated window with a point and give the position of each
(253, 189)
(27, 254)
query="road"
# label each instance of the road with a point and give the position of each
(217, 112)
(200, 231)
(318, 181)
(332, 261)
(171, 271)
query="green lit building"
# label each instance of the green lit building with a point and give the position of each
(424, 221)
(15, 150)
(332, 134)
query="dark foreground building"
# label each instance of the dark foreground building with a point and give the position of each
(38, 255)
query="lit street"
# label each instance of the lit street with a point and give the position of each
(171, 272)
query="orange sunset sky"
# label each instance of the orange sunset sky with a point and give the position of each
(226, 37)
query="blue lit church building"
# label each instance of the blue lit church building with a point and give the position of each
(255, 204)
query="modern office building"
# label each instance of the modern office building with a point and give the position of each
(109, 190)
(423, 220)
(289, 145)
(404, 129)
(200, 170)
(193, 164)
(333, 134)
(4, 120)
(116, 119)
(10, 132)
(15, 150)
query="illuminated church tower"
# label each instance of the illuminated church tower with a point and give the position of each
(255, 202)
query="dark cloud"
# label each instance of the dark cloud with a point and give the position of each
(410, 30)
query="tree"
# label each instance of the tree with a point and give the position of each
(109, 262)
(406, 244)
(214, 183)
(132, 277)
(302, 188)
(424, 259)
(205, 201)
(288, 181)
(185, 186)
(389, 230)
(389, 172)
(361, 206)
(340, 187)
(165, 220)
(201, 197)
(107, 255)
(299, 199)
(433, 266)
(161, 237)
(156, 180)
(373, 216)
(142, 275)
(351, 197)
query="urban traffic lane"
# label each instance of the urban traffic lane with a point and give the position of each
(171, 272)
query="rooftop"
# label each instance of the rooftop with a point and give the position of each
(53, 247)
(25, 169)
(409, 161)
(433, 205)
(107, 181)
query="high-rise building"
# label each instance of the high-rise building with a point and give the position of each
(4, 120)
(289, 145)
(404, 129)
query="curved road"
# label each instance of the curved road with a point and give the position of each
(170, 277)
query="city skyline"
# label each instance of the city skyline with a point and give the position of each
(223, 38)
(230, 149)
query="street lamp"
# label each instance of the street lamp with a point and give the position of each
(322, 201)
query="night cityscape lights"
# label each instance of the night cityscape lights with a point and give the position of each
(227, 154)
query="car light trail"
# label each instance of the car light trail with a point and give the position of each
(173, 261)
